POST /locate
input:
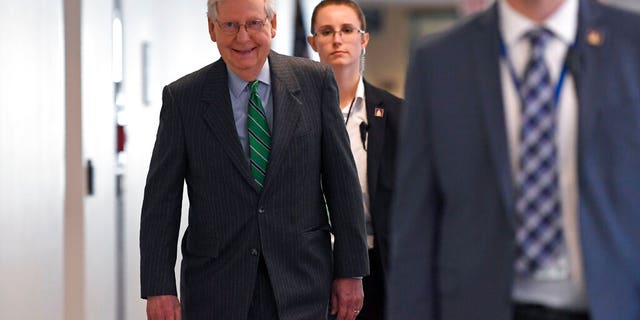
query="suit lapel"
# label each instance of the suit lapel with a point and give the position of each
(375, 138)
(486, 60)
(591, 70)
(218, 114)
(286, 110)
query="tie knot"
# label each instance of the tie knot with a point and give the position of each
(538, 38)
(253, 85)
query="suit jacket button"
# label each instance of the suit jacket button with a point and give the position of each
(254, 252)
(261, 210)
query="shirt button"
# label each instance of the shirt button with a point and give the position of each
(261, 210)
(254, 252)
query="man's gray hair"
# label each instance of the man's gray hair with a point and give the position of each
(212, 8)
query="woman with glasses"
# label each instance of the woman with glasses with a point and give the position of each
(371, 116)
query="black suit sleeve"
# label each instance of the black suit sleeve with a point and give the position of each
(161, 208)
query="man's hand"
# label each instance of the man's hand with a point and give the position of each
(163, 308)
(347, 298)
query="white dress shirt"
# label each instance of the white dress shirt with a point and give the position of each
(355, 114)
(560, 283)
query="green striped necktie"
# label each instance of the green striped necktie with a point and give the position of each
(259, 136)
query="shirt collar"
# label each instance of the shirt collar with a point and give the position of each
(359, 109)
(563, 23)
(357, 105)
(358, 100)
(237, 85)
(360, 91)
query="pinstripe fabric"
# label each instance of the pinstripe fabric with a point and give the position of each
(230, 223)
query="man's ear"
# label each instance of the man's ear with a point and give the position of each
(274, 24)
(212, 29)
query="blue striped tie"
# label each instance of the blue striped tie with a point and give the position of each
(539, 234)
(259, 136)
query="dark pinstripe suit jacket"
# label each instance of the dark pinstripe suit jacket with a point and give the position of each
(230, 223)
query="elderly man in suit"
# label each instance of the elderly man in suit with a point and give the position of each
(259, 139)
(518, 189)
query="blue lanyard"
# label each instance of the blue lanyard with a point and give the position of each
(516, 81)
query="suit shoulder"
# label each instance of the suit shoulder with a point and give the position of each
(621, 21)
(388, 97)
(617, 14)
(194, 79)
(392, 104)
(301, 67)
(299, 62)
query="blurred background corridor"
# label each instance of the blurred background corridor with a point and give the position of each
(80, 95)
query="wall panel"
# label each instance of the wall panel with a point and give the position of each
(31, 159)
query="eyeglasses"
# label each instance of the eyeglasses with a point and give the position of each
(231, 28)
(347, 33)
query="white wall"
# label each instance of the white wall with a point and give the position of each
(307, 7)
(56, 258)
(98, 144)
(31, 159)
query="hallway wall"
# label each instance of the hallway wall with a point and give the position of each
(99, 146)
(56, 245)
(32, 120)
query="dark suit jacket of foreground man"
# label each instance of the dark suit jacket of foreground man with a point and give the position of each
(453, 246)
(231, 223)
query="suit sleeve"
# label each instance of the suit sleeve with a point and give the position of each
(411, 285)
(342, 188)
(162, 204)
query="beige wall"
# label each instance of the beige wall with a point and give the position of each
(387, 52)
(389, 48)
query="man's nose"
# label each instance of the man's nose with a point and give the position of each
(242, 32)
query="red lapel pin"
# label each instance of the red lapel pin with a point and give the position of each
(378, 112)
